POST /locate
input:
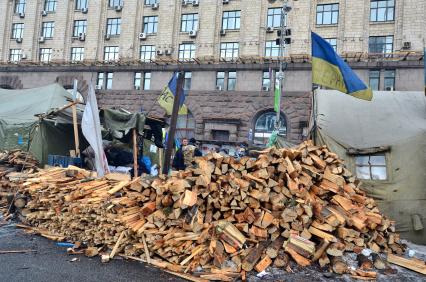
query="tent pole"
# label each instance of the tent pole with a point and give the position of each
(173, 121)
(135, 154)
(74, 119)
(160, 161)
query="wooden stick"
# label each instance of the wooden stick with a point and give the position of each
(135, 154)
(145, 246)
(407, 263)
(117, 244)
(160, 161)
(75, 125)
(17, 251)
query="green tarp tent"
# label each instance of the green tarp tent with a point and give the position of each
(383, 140)
(20, 128)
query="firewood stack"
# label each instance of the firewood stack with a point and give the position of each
(227, 216)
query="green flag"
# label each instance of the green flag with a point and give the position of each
(277, 94)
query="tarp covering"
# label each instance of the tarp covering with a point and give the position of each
(120, 123)
(19, 107)
(393, 120)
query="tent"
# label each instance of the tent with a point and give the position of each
(21, 128)
(384, 143)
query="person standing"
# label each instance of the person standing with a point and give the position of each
(185, 155)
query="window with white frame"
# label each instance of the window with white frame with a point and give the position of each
(150, 24)
(47, 29)
(115, 3)
(272, 49)
(187, 78)
(77, 54)
(147, 81)
(332, 42)
(229, 50)
(20, 6)
(189, 22)
(274, 18)
(100, 81)
(220, 80)
(185, 126)
(17, 30)
(371, 167)
(109, 76)
(113, 26)
(137, 80)
(79, 28)
(265, 125)
(186, 51)
(327, 14)
(50, 5)
(15, 55)
(380, 44)
(81, 4)
(382, 10)
(231, 20)
(147, 53)
(232, 80)
(45, 55)
(266, 80)
(111, 53)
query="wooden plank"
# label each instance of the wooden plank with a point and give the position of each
(407, 263)
(263, 264)
(117, 245)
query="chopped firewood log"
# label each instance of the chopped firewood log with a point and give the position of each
(91, 252)
(320, 250)
(263, 264)
(274, 248)
(300, 260)
(338, 265)
(364, 262)
(253, 256)
(300, 245)
(378, 262)
(322, 234)
(324, 260)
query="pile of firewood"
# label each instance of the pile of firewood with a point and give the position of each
(224, 215)
(19, 159)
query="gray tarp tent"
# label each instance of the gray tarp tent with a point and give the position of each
(17, 120)
(393, 124)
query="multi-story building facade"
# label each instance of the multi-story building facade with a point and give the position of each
(227, 48)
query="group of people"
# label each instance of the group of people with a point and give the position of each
(186, 153)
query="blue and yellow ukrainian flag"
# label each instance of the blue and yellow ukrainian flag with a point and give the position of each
(329, 70)
(167, 97)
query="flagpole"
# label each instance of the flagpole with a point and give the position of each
(173, 122)
(74, 119)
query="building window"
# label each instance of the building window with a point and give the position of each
(274, 18)
(147, 81)
(137, 80)
(185, 126)
(15, 55)
(100, 81)
(266, 80)
(20, 6)
(109, 76)
(231, 20)
(220, 80)
(150, 24)
(186, 51)
(374, 79)
(81, 4)
(371, 167)
(77, 54)
(113, 26)
(327, 14)
(332, 42)
(229, 50)
(272, 49)
(232, 80)
(114, 3)
(382, 10)
(47, 29)
(17, 30)
(265, 125)
(150, 2)
(50, 5)
(79, 28)
(147, 53)
(380, 44)
(111, 53)
(189, 22)
(45, 55)
(187, 80)
(389, 80)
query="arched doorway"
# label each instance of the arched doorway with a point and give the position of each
(264, 124)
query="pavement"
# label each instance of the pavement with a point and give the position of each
(52, 263)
